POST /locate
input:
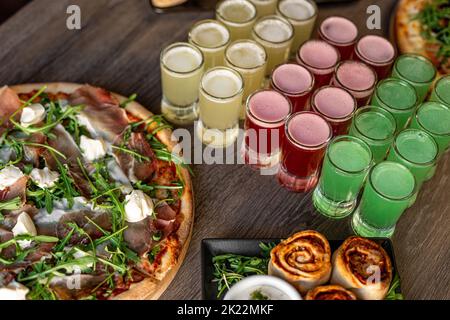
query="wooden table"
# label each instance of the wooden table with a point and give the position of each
(118, 48)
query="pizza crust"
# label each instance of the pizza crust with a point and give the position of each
(178, 243)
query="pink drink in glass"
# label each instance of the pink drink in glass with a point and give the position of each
(336, 105)
(341, 33)
(266, 115)
(377, 52)
(357, 78)
(307, 135)
(320, 58)
(295, 82)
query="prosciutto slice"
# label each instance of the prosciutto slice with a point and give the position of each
(104, 116)
(138, 236)
(18, 189)
(9, 103)
(137, 169)
(65, 144)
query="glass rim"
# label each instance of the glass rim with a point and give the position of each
(243, 41)
(274, 17)
(416, 115)
(334, 42)
(446, 77)
(401, 82)
(247, 107)
(181, 44)
(241, 89)
(332, 67)
(420, 164)
(385, 113)
(375, 63)
(292, 94)
(341, 119)
(417, 56)
(312, 3)
(205, 21)
(336, 77)
(301, 145)
(252, 18)
(361, 143)
(382, 194)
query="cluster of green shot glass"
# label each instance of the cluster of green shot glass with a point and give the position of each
(393, 147)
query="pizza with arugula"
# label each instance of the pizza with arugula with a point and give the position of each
(94, 201)
(422, 26)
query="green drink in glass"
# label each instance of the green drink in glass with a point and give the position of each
(376, 127)
(398, 97)
(417, 151)
(417, 70)
(389, 191)
(345, 168)
(434, 118)
(441, 91)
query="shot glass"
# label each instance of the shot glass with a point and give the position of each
(249, 59)
(398, 97)
(238, 16)
(388, 192)
(295, 82)
(302, 14)
(441, 91)
(307, 135)
(267, 112)
(357, 78)
(376, 127)
(417, 70)
(182, 66)
(220, 102)
(336, 105)
(341, 33)
(376, 52)
(320, 58)
(434, 118)
(345, 168)
(417, 151)
(211, 37)
(275, 34)
(264, 7)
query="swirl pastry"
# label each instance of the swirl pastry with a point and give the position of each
(362, 266)
(330, 292)
(303, 260)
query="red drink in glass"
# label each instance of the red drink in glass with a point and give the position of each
(357, 78)
(267, 112)
(320, 58)
(295, 82)
(341, 33)
(306, 138)
(336, 105)
(377, 52)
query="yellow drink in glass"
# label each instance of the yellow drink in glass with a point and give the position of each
(249, 59)
(211, 37)
(275, 34)
(302, 14)
(181, 71)
(238, 15)
(220, 102)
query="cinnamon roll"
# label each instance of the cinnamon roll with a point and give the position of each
(330, 292)
(304, 260)
(362, 266)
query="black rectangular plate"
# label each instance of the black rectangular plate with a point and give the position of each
(250, 247)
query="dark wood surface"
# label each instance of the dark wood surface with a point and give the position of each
(118, 48)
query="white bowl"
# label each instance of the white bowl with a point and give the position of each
(272, 287)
